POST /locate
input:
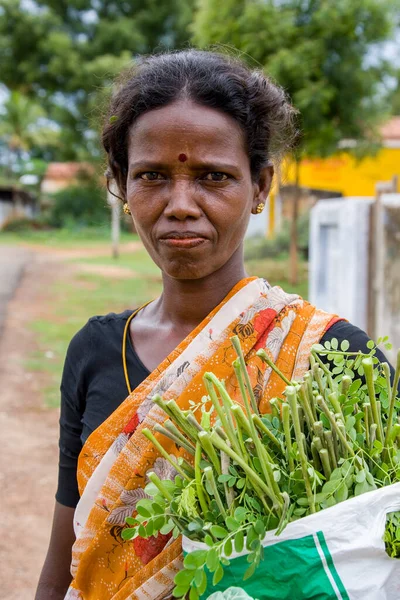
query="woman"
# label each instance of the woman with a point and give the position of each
(192, 139)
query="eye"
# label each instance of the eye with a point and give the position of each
(216, 176)
(150, 176)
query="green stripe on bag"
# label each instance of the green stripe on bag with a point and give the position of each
(341, 592)
(300, 569)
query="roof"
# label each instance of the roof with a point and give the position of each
(68, 170)
(391, 129)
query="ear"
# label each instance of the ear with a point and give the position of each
(262, 187)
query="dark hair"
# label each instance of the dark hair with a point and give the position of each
(209, 79)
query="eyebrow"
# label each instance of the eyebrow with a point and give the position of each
(212, 166)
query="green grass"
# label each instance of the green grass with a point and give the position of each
(64, 238)
(74, 302)
(138, 261)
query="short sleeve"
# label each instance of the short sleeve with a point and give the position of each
(73, 400)
(357, 338)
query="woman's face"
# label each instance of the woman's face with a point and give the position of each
(189, 188)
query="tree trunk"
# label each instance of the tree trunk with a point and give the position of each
(115, 227)
(115, 205)
(293, 268)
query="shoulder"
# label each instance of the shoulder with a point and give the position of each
(109, 320)
(97, 327)
(343, 330)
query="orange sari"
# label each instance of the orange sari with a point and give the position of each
(116, 458)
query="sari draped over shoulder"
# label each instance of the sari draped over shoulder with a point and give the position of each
(115, 460)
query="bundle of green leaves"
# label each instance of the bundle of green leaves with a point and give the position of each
(334, 435)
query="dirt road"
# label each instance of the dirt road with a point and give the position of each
(28, 434)
(12, 263)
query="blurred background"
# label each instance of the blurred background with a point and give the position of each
(331, 231)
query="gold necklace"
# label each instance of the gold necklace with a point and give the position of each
(124, 344)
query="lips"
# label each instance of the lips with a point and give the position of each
(183, 239)
(182, 235)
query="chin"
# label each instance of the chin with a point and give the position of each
(186, 270)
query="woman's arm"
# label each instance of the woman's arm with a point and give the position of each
(55, 576)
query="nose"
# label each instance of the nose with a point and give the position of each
(182, 201)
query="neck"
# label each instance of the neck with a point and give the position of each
(185, 303)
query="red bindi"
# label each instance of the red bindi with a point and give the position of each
(182, 157)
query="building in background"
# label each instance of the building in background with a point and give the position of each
(341, 175)
(60, 175)
(15, 202)
(345, 175)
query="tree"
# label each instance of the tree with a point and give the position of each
(67, 53)
(319, 52)
(22, 127)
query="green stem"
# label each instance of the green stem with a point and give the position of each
(170, 426)
(259, 448)
(303, 399)
(221, 433)
(229, 493)
(319, 431)
(224, 415)
(326, 465)
(345, 385)
(205, 441)
(163, 405)
(316, 373)
(291, 396)
(264, 429)
(309, 389)
(147, 433)
(372, 434)
(329, 443)
(316, 457)
(199, 484)
(368, 367)
(394, 433)
(288, 437)
(159, 484)
(181, 420)
(393, 394)
(333, 399)
(367, 422)
(275, 407)
(187, 467)
(253, 476)
(208, 472)
(264, 357)
(177, 440)
(236, 344)
(334, 425)
(325, 369)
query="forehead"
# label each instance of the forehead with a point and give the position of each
(186, 127)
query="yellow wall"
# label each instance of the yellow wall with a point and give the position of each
(343, 173)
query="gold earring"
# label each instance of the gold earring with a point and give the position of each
(126, 209)
(260, 208)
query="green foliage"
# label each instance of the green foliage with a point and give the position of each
(22, 129)
(23, 224)
(318, 51)
(394, 96)
(334, 436)
(83, 204)
(68, 54)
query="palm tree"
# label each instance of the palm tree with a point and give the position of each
(23, 127)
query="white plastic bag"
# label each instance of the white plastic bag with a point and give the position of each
(232, 593)
(335, 554)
